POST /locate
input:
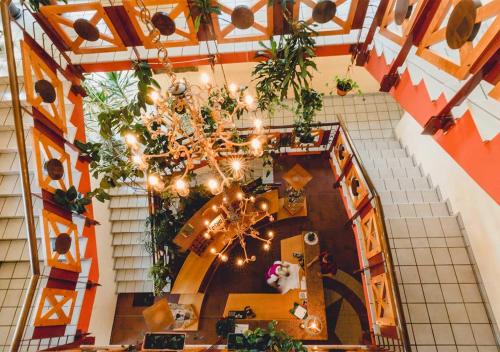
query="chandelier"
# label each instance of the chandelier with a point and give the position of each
(197, 130)
(236, 222)
(195, 125)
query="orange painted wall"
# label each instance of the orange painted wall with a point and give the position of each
(480, 160)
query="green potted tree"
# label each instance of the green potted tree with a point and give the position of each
(345, 85)
(268, 340)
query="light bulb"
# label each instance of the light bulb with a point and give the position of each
(266, 246)
(213, 250)
(181, 187)
(270, 234)
(236, 165)
(213, 186)
(153, 180)
(239, 262)
(239, 195)
(207, 235)
(255, 143)
(233, 87)
(130, 139)
(258, 123)
(137, 159)
(214, 207)
(249, 99)
(205, 78)
(223, 257)
(264, 206)
(206, 222)
(155, 96)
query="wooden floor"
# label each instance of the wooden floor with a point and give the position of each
(326, 214)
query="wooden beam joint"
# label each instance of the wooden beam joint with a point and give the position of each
(388, 81)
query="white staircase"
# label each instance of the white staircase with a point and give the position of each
(14, 248)
(441, 297)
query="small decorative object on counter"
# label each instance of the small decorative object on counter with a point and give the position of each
(311, 238)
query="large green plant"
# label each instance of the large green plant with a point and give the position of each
(270, 340)
(288, 65)
(310, 102)
(206, 8)
(113, 107)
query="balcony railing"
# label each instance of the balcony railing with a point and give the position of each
(367, 219)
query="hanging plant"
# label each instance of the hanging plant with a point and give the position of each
(345, 85)
(161, 274)
(206, 8)
(310, 102)
(35, 4)
(288, 64)
(71, 200)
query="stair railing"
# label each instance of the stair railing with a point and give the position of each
(389, 329)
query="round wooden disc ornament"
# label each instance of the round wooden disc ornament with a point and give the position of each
(402, 11)
(242, 17)
(462, 26)
(54, 168)
(46, 91)
(324, 11)
(163, 23)
(86, 30)
(63, 243)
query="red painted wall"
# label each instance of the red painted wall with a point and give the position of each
(480, 160)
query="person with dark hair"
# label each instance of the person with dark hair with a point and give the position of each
(328, 267)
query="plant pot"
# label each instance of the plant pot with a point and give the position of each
(343, 89)
(341, 92)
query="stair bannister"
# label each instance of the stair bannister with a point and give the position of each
(372, 198)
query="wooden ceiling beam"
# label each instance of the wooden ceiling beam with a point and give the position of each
(415, 35)
(362, 51)
(201, 60)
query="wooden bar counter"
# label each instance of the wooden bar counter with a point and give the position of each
(276, 306)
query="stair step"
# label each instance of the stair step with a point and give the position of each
(132, 275)
(133, 262)
(132, 201)
(129, 214)
(394, 172)
(128, 238)
(134, 286)
(416, 210)
(13, 207)
(383, 143)
(401, 184)
(128, 226)
(437, 226)
(130, 250)
(409, 196)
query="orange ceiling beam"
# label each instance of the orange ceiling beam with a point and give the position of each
(202, 60)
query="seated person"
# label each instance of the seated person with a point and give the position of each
(276, 274)
(328, 267)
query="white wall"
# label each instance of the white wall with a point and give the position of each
(479, 212)
(103, 311)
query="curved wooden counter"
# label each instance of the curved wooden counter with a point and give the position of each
(196, 267)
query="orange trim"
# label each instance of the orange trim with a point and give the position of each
(202, 60)
(480, 160)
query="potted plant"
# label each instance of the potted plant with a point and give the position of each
(269, 340)
(345, 85)
(71, 200)
(161, 274)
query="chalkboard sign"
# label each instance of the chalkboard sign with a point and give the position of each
(163, 341)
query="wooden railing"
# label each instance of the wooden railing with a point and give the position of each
(367, 219)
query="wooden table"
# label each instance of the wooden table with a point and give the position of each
(297, 177)
(275, 306)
